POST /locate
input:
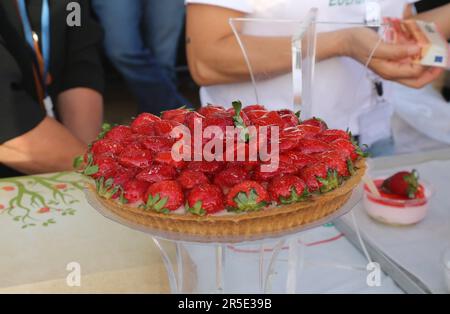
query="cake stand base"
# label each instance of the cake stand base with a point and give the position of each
(233, 268)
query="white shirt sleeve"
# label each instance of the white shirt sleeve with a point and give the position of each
(238, 5)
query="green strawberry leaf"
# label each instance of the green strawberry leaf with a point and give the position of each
(350, 167)
(106, 127)
(295, 197)
(330, 183)
(196, 209)
(90, 170)
(239, 122)
(247, 202)
(77, 162)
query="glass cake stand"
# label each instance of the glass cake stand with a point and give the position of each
(271, 264)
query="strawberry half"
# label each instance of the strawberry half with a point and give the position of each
(167, 159)
(177, 115)
(106, 146)
(164, 196)
(312, 146)
(288, 189)
(119, 133)
(403, 183)
(231, 176)
(143, 124)
(329, 136)
(139, 158)
(205, 199)
(189, 179)
(158, 144)
(134, 190)
(247, 196)
(316, 122)
(156, 173)
(210, 109)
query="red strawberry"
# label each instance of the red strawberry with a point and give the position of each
(288, 143)
(139, 158)
(254, 108)
(347, 148)
(288, 189)
(285, 111)
(134, 190)
(119, 133)
(329, 136)
(158, 144)
(403, 183)
(309, 131)
(316, 122)
(221, 119)
(156, 173)
(164, 196)
(254, 115)
(207, 167)
(205, 199)
(107, 166)
(123, 175)
(106, 146)
(313, 146)
(192, 118)
(319, 177)
(290, 138)
(210, 109)
(231, 176)
(300, 160)
(285, 166)
(177, 115)
(164, 127)
(166, 158)
(188, 179)
(134, 140)
(336, 161)
(143, 124)
(247, 196)
(271, 118)
(289, 118)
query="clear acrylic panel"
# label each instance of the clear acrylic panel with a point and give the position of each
(295, 84)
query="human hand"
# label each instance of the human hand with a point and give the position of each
(390, 61)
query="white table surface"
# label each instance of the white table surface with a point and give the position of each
(114, 258)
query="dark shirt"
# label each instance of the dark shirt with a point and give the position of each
(75, 62)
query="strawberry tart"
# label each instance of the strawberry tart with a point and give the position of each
(271, 172)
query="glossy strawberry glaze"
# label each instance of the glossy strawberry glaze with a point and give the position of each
(395, 209)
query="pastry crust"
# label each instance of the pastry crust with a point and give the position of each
(273, 221)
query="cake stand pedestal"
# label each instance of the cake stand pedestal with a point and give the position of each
(269, 264)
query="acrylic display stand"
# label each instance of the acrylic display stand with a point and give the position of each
(238, 266)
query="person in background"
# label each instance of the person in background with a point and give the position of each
(42, 58)
(141, 40)
(342, 94)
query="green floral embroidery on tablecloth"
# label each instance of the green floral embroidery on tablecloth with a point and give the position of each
(40, 200)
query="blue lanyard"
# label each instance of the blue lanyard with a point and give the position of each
(45, 34)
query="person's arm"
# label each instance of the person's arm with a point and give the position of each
(215, 57)
(79, 96)
(49, 147)
(81, 112)
(440, 16)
